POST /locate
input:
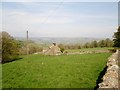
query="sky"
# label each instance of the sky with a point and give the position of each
(60, 19)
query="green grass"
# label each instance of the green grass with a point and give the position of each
(88, 49)
(65, 71)
(0, 76)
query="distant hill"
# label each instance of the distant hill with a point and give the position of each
(62, 40)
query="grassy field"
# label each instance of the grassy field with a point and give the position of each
(0, 76)
(88, 49)
(65, 71)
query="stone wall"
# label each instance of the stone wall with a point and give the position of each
(88, 52)
(110, 79)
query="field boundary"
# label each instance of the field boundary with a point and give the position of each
(88, 52)
(110, 79)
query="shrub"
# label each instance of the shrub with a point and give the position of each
(62, 50)
(112, 50)
(10, 48)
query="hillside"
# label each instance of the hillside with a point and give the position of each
(62, 40)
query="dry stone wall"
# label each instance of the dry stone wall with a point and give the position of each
(110, 79)
(87, 52)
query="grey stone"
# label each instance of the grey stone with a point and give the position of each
(110, 79)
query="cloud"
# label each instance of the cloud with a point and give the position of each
(28, 18)
(54, 22)
(49, 17)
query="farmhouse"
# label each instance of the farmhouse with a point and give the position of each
(52, 50)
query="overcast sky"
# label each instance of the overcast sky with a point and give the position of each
(60, 19)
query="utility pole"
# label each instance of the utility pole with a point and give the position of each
(27, 47)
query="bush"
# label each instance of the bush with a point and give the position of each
(32, 48)
(10, 48)
(112, 50)
(117, 38)
(62, 50)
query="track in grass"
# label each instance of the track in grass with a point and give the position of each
(65, 71)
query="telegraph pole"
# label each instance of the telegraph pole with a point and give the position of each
(27, 47)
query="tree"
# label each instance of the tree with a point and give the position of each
(117, 38)
(79, 47)
(101, 43)
(62, 47)
(109, 43)
(86, 45)
(33, 47)
(94, 44)
(10, 48)
(0, 47)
